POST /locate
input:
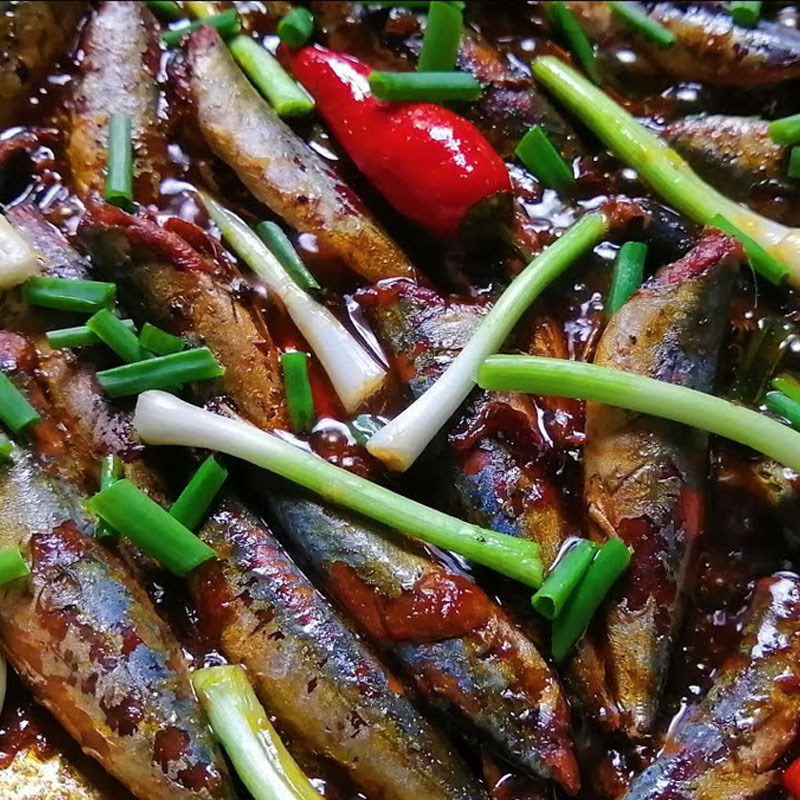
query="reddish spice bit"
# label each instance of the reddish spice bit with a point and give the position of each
(170, 745)
(791, 778)
(432, 165)
(713, 248)
(201, 777)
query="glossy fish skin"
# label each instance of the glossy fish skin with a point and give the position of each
(33, 35)
(736, 153)
(121, 60)
(278, 167)
(86, 639)
(726, 745)
(312, 672)
(710, 47)
(644, 476)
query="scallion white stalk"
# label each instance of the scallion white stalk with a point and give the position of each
(163, 419)
(354, 373)
(401, 442)
(18, 259)
(662, 167)
(240, 723)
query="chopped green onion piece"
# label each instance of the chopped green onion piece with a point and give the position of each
(16, 413)
(746, 12)
(760, 260)
(298, 391)
(167, 8)
(66, 294)
(764, 353)
(537, 153)
(164, 372)
(662, 167)
(200, 9)
(442, 37)
(402, 440)
(560, 583)
(111, 470)
(460, 4)
(240, 723)
(195, 500)
(227, 23)
(563, 378)
(160, 342)
(603, 572)
(130, 511)
(12, 565)
(113, 331)
(79, 336)
(788, 385)
(436, 87)
(627, 276)
(364, 427)
(296, 27)
(119, 162)
(285, 95)
(278, 242)
(6, 448)
(778, 403)
(641, 22)
(785, 131)
(565, 23)
(164, 419)
(18, 259)
(794, 163)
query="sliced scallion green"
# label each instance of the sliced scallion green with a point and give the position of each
(160, 342)
(794, 163)
(196, 498)
(641, 22)
(119, 163)
(296, 27)
(113, 332)
(16, 413)
(441, 39)
(565, 23)
(298, 391)
(166, 8)
(762, 262)
(111, 471)
(537, 153)
(788, 385)
(435, 87)
(130, 511)
(12, 565)
(66, 294)
(79, 336)
(785, 131)
(784, 406)
(561, 581)
(6, 448)
(746, 12)
(278, 242)
(227, 23)
(627, 275)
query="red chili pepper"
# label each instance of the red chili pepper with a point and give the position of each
(431, 164)
(791, 778)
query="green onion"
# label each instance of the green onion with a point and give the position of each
(401, 442)
(764, 353)
(785, 131)
(603, 572)
(16, 413)
(130, 511)
(641, 22)
(442, 37)
(296, 27)
(164, 372)
(285, 95)
(164, 419)
(788, 385)
(6, 448)
(436, 87)
(745, 12)
(111, 470)
(12, 565)
(537, 153)
(79, 336)
(627, 276)
(778, 403)
(166, 8)
(200, 9)
(559, 585)
(160, 342)
(460, 4)
(66, 294)
(18, 259)
(256, 751)
(195, 500)
(227, 23)
(364, 427)
(562, 378)
(760, 260)
(794, 163)
(279, 245)
(660, 166)
(119, 162)
(565, 23)
(113, 331)
(298, 391)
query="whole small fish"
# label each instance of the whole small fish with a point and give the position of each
(726, 745)
(644, 476)
(278, 167)
(709, 47)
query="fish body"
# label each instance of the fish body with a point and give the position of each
(278, 167)
(726, 745)
(644, 476)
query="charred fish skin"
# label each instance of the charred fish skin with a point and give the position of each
(118, 76)
(644, 477)
(710, 47)
(726, 745)
(278, 167)
(33, 35)
(336, 695)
